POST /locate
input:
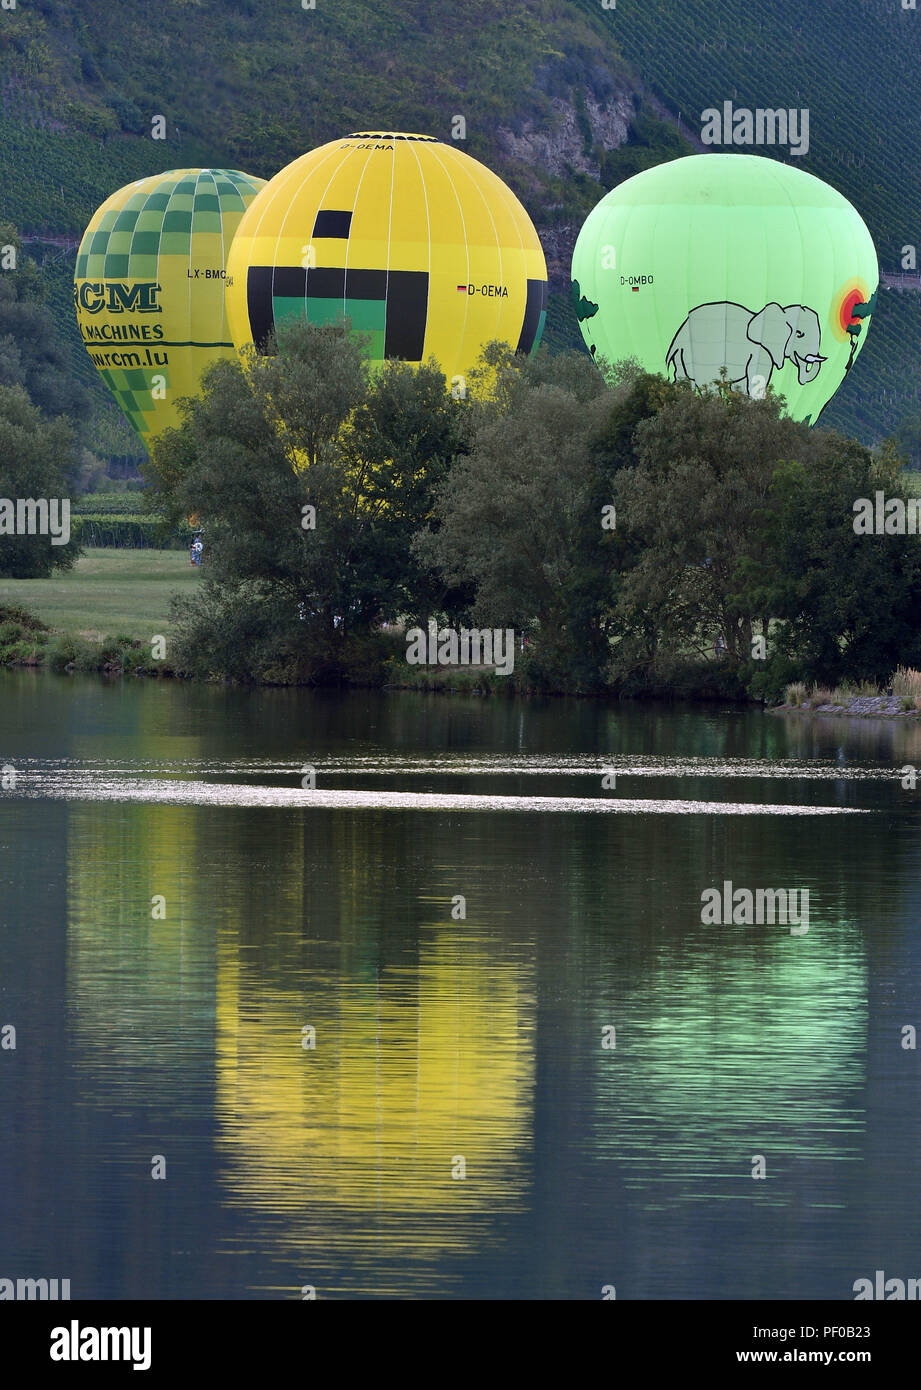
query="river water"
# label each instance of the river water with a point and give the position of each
(449, 1022)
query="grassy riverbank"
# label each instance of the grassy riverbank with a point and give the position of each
(104, 614)
(107, 591)
(100, 616)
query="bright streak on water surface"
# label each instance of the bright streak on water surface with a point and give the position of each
(379, 764)
(70, 784)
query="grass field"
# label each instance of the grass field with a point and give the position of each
(108, 593)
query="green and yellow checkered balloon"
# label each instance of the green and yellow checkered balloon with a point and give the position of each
(149, 287)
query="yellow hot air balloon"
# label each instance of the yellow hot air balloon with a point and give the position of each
(424, 249)
(149, 287)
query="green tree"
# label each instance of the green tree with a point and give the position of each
(401, 442)
(309, 478)
(846, 604)
(692, 505)
(521, 520)
(34, 457)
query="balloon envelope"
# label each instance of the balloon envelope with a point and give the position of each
(149, 287)
(424, 249)
(727, 261)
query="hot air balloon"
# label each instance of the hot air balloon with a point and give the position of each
(423, 248)
(149, 287)
(728, 263)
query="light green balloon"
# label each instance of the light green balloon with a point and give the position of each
(729, 261)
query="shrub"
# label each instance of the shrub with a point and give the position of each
(22, 618)
(22, 638)
(18, 653)
(133, 658)
(67, 652)
(125, 653)
(9, 632)
(906, 681)
(87, 657)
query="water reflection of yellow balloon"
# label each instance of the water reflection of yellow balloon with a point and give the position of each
(135, 935)
(409, 1072)
(414, 1067)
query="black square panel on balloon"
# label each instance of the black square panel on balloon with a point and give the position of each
(330, 223)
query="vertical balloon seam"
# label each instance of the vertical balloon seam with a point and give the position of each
(513, 209)
(724, 200)
(853, 260)
(191, 350)
(283, 176)
(285, 183)
(393, 175)
(632, 217)
(337, 169)
(155, 184)
(129, 245)
(460, 348)
(766, 278)
(174, 193)
(657, 309)
(225, 250)
(272, 194)
(604, 343)
(815, 412)
(592, 291)
(428, 228)
(348, 244)
(514, 215)
(689, 296)
(802, 243)
(476, 184)
(727, 200)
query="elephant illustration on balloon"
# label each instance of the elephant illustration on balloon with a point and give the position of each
(748, 346)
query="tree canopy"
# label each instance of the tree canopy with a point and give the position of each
(638, 534)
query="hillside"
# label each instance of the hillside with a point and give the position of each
(562, 101)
